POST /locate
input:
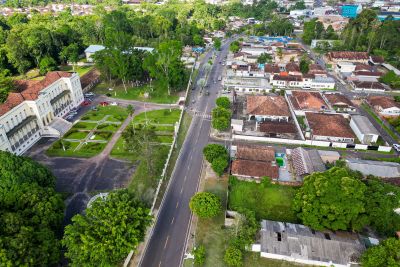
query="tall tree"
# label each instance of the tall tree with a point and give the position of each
(108, 230)
(387, 253)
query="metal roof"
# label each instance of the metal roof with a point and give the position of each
(364, 125)
(376, 168)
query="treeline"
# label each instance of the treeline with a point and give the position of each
(277, 26)
(367, 33)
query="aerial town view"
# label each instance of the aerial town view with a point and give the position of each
(218, 133)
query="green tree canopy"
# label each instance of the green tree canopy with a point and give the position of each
(31, 213)
(333, 199)
(219, 165)
(214, 151)
(221, 118)
(199, 255)
(47, 64)
(387, 253)
(223, 102)
(304, 65)
(205, 205)
(108, 231)
(234, 47)
(264, 58)
(233, 257)
(217, 43)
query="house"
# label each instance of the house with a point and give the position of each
(299, 243)
(267, 108)
(363, 129)
(285, 130)
(306, 162)
(376, 60)
(340, 102)
(307, 101)
(328, 127)
(316, 70)
(293, 69)
(376, 168)
(345, 67)
(284, 80)
(37, 110)
(384, 105)
(323, 83)
(347, 56)
(254, 162)
(367, 76)
(272, 69)
(350, 11)
(367, 86)
(91, 50)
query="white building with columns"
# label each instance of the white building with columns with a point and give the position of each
(37, 110)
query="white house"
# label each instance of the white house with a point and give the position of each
(363, 129)
(385, 105)
(345, 67)
(367, 86)
(37, 110)
(91, 50)
(267, 108)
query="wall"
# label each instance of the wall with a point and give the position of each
(303, 261)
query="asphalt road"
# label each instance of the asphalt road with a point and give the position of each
(166, 246)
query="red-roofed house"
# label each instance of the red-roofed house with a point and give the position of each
(25, 115)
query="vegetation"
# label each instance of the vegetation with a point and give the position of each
(273, 202)
(331, 200)
(108, 230)
(304, 65)
(234, 47)
(233, 257)
(221, 118)
(384, 254)
(31, 213)
(391, 79)
(223, 102)
(218, 156)
(314, 29)
(199, 255)
(278, 26)
(205, 205)
(264, 58)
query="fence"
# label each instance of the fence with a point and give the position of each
(311, 143)
(167, 162)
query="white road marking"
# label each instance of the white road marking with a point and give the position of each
(166, 242)
(172, 221)
(177, 204)
(181, 190)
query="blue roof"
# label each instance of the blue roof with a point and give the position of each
(94, 48)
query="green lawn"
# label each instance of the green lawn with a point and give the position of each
(156, 94)
(273, 202)
(81, 70)
(165, 139)
(108, 127)
(74, 134)
(117, 114)
(84, 125)
(86, 151)
(101, 135)
(162, 116)
(210, 232)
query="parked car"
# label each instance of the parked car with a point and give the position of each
(69, 117)
(93, 108)
(396, 147)
(207, 92)
(104, 103)
(73, 113)
(113, 104)
(85, 103)
(89, 94)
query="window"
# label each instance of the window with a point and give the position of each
(279, 236)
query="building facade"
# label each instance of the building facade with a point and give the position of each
(26, 116)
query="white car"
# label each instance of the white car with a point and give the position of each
(396, 147)
(113, 104)
(89, 94)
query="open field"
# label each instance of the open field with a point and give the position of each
(273, 202)
(156, 94)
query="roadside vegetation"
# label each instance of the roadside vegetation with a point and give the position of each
(221, 115)
(379, 121)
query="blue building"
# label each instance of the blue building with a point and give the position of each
(350, 11)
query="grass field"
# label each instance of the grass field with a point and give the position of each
(252, 259)
(81, 70)
(273, 202)
(210, 232)
(81, 129)
(156, 95)
(162, 116)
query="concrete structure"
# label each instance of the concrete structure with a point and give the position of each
(91, 50)
(329, 156)
(306, 162)
(377, 168)
(364, 129)
(38, 110)
(301, 244)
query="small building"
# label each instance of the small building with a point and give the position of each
(376, 60)
(350, 11)
(307, 101)
(340, 102)
(376, 168)
(384, 105)
(278, 129)
(347, 56)
(91, 50)
(301, 244)
(255, 162)
(345, 67)
(367, 76)
(367, 86)
(267, 108)
(306, 162)
(363, 129)
(329, 127)
(237, 125)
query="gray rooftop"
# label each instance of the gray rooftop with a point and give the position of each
(307, 161)
(319, 79)
(364, 125)
(94, 48)
(376, 168)
(301, 242)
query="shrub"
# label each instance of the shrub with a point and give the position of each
(223, 102)
(219, 165)
(213, 151)
(199, 255)
(233, 257)
(205, 205)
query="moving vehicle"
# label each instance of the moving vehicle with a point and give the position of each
(219, 78)
(396, 147)
(104, 103)
(89, 94)
(207, 92)
(113, 104)
(86, 103)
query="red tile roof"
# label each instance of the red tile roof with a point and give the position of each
(289, 78)
(348, 55)
(29, 90)
(277, 127)
(368, 73)
(363, 67)
(308, 100)
(271, 68)
(267, 105)
(377, 59)
(292, 67)
(370, 85)
(383, 102)
(255, 153)
(339, 100)
(255, 169)
(329, 125)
